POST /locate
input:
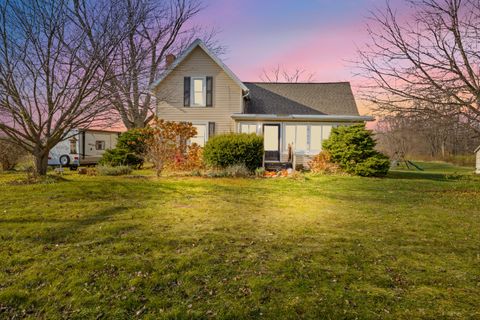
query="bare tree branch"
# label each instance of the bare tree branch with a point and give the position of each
(51, 79)
(432, 58)
(152, 30)
(280, 74)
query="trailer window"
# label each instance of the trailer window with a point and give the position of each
(99, 145)
(73, 145)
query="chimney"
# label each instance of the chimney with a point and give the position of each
(169, 59)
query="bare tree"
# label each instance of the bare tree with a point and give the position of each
(432, 58)
(50, 77)
(280, 74)
(153, 30)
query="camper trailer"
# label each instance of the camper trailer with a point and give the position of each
(82, 147)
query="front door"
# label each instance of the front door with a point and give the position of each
(271, 142)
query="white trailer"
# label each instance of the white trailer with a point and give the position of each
(82, 147)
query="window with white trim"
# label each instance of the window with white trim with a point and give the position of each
(248, 128)
(306, 137)
(198, 91)
(296, 135)
(201, 136)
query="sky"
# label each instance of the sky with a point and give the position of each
(320, 36)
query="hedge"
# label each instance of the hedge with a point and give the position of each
(234, 148)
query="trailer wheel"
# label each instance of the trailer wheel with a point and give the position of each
(64, 160)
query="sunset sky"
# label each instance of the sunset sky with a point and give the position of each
(320, 36)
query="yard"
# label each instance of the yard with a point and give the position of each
(406, 246)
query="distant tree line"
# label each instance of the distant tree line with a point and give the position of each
(411, 135)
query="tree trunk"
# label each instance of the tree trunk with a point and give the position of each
(41, 162)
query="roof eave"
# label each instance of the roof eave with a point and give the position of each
(195, 44)
(301, 117)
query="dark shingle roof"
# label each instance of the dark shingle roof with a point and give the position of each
(301, 98)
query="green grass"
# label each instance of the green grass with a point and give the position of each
(329, 247)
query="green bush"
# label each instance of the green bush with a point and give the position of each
(129, 150)
(113, 171)
(375, 166)
(353, 149)
(234, 148)
(121, 157)
(134, 141)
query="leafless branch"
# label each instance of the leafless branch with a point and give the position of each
(432, 58)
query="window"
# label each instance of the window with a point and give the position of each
(198, 91)
(73, 145)
(248, 128)
(201, 136)
(298, 136)
(315, 138)
(306, 138)
(326, 132)
(99, 145)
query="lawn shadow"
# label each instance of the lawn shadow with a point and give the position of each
(69, 229)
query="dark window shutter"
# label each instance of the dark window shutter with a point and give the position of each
(186, 91)
(209, 91)
(211, 129)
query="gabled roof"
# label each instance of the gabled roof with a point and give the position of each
(184, 55)
(301, 99)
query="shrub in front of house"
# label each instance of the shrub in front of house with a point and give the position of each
(133, 140)
(322, 163)
(353, 149)
(129, 151)
(230, 149)
(375, 166)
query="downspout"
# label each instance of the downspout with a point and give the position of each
(244, 97)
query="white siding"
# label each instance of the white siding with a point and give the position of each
(227, 95)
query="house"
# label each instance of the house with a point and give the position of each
(477, 155)
(199, 88)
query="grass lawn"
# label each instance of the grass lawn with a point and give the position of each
(406, 246)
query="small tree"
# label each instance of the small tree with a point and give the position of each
(353, 149)
(129, 151)
(166, 140)
(10, 154)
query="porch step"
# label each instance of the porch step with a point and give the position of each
(277, 166)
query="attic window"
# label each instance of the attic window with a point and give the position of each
(198, 91)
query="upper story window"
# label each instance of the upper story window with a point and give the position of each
(198, 92)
